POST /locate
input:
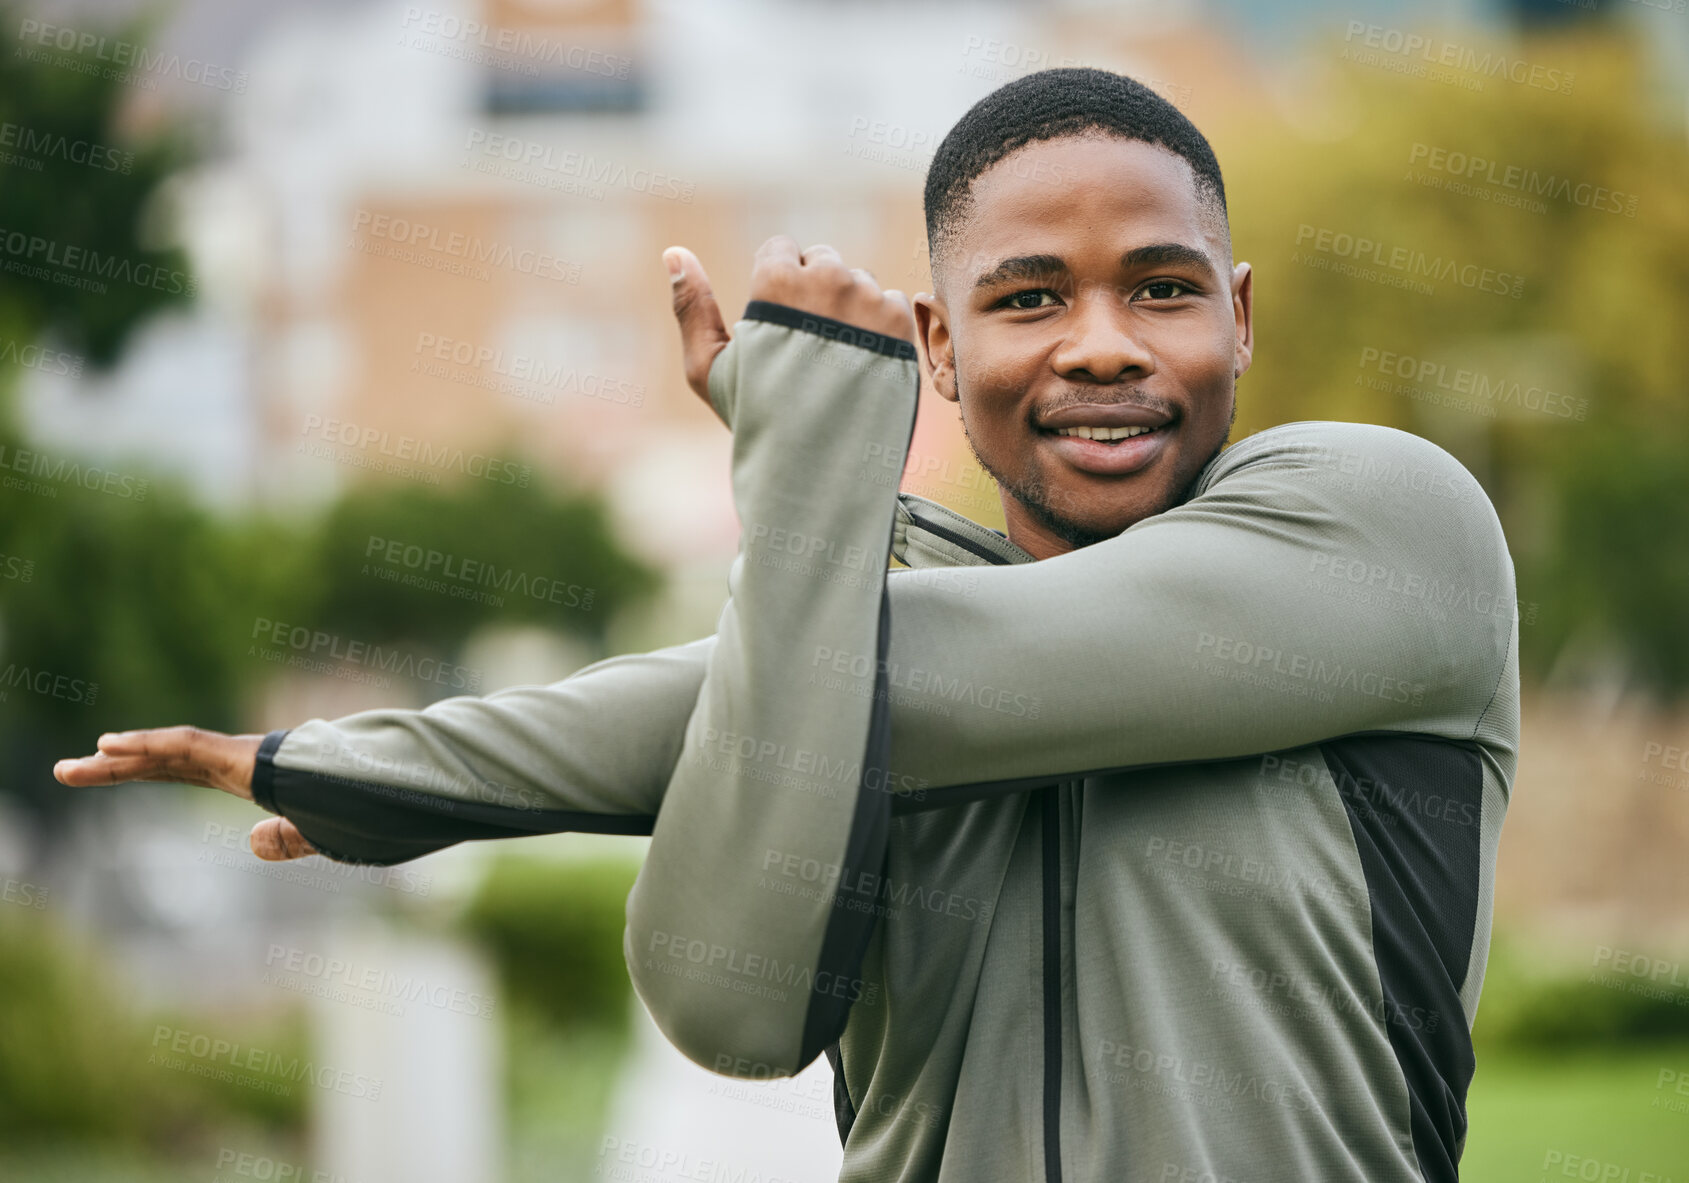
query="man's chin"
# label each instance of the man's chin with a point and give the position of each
(1092, 523)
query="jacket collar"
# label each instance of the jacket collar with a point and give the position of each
(927, 534)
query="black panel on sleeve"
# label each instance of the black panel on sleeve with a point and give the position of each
(1415, 807)
(355, 821)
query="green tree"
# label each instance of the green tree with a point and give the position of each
(1590, 484)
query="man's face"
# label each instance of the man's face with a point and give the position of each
(1088, 288)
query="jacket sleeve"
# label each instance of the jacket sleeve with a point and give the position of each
(741, 978)
(1323, 579)
(591, 753)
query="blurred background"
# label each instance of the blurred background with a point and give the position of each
(291, 293)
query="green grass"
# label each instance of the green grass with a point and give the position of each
(1603, 1105)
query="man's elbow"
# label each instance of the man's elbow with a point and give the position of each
(740, 1029)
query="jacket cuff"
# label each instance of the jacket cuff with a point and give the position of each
(722, 384)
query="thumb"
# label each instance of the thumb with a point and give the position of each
(275, 839)
(703, 334)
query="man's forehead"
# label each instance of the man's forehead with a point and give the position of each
(1051, 197)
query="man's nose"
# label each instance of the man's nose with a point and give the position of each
(1103, 342)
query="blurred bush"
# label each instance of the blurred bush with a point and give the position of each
(1537, 1002)
(554, 928)
(80, 1066)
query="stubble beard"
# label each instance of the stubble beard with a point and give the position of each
(1034, 494)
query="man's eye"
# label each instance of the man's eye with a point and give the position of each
(1165, 289)
(1032, 298)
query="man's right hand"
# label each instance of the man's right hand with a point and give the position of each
(187, 756)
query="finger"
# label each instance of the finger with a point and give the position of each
(821, 255)
(782, 248)
(160, 743)
(900, 302)
(275, 839)
(865, 276)
(154, 754)
(703, 333)
(180, 753)
(101, 769)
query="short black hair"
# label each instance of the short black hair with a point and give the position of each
(1050, 105)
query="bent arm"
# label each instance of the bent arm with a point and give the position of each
(742, 978)
(1324, 579)
(1229, 626)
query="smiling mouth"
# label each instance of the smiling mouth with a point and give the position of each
(1102, 435)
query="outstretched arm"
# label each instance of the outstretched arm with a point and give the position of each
(591, 752)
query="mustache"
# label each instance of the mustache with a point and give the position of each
(1093, 396)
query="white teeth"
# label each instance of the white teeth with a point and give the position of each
(1104, 433)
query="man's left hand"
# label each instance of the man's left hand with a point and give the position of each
(815, 280)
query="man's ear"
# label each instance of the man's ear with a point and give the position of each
(932, 336)
(1243, 310)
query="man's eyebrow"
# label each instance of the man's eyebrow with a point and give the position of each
(1157, 254)
(1022, 267)
(1161, 254)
